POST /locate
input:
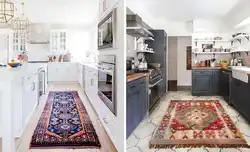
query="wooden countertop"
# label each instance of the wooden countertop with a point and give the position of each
(136, 76)
(205, 68)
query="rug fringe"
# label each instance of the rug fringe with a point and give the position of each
(157, 146)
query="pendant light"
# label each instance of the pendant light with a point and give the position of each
(21, 24)
(6, 11)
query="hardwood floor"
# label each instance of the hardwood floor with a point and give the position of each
(106, 143)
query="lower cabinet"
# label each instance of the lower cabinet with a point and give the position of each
(240, 97)
(63, 72)
(137, 104)
(205, 82)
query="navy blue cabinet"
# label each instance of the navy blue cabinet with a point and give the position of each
(205, 82)
(202, 82)
(240, 97)
(216, 82)
(137, 104)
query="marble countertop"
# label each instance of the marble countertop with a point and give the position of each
(136, 76)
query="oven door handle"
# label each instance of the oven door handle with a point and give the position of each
(105, 71)
(152, 85)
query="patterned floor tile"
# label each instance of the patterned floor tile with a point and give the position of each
(132, 141)
(230, 150)
(144, 131)
(134, 149)
(143, 143)
(244, 128)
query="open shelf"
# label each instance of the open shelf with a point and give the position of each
(211, 52)
(139, 32)
(144, 51)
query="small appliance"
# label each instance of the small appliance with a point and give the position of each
(106, 31)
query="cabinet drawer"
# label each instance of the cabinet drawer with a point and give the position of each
(133, 87)
(202, 72)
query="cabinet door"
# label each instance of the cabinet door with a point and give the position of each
(201, 85)
(143, 102)
(216, 82)
(133, 112)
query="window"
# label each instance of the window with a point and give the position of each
(58, 39)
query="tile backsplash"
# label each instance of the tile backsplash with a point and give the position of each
(202, 57)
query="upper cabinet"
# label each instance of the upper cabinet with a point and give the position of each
(15, 43)
(105, 6)
(58, 41)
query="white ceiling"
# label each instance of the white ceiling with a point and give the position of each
(60, 11)
(185, 10)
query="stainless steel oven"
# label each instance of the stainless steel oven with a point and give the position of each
(106, 81)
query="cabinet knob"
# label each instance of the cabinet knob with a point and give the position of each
(132, 87)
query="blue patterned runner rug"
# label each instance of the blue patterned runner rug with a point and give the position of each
(64, 123)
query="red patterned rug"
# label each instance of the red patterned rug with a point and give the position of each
(197, 123)
(64, 124)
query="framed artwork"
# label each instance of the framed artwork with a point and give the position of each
(189, 57)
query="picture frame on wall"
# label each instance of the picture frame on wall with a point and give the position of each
(189, 58)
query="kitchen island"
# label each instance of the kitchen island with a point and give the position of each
(17, 86)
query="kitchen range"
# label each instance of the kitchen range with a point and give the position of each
(146, 71)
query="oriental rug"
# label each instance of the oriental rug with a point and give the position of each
(64, 123)
(197, 123)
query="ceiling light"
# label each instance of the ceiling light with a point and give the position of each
(21, 24)
(6, 11)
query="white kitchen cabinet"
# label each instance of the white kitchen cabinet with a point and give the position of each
(17, 104)
(91, 81)
(58, 41)
(80, 74)
(30, 96)
(62, 72)
(15, 43)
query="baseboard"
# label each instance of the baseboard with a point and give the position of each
(184, 88)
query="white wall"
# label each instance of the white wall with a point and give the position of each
(172, 58)
(120, 74)
(184, 77)
(210, 26)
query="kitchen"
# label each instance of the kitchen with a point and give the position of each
(60, 53)
(205, 61)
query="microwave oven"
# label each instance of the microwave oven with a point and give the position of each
(106, 31)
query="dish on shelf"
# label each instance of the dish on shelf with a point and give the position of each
(14, 64)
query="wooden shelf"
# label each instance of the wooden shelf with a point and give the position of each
(211, 52)
(144, 51)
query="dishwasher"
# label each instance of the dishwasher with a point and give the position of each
(226, 76)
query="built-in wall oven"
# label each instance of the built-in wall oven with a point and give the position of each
(106, 81)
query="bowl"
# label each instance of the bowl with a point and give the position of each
(14, 64)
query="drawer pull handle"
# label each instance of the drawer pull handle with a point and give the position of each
(142, 83)
(105, 120)
(132, 87)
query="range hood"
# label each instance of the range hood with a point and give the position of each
(136, 27)
(39, 34)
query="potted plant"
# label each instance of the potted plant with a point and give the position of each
(224, 63)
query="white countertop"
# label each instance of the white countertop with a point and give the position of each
(8, 74)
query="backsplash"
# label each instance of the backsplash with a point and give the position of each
(202, 57)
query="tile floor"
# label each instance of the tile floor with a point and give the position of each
(138, 141)
(23, 144)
